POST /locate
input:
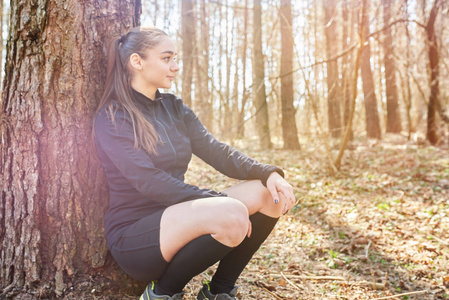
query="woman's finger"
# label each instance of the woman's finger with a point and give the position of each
(289, 196)
(274, 193)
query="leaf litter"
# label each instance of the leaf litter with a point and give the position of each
(376, 229)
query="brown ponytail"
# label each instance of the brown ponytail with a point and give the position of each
(118, 82)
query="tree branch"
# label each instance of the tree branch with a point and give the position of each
(350, 48)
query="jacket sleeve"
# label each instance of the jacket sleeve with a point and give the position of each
(117, 142)
(221, 156)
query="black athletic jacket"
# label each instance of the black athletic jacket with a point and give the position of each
(139, 183)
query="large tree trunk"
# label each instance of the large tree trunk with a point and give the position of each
(289, 130)
(53, 191)
(372, 115)
(434, 58)
(2, 21)
(260, 98)
(188, 40)
(393, 115)
(333, 101)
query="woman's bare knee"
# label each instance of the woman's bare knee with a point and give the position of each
(256, 197)
(232, 222)
(270, 207)
(273, 209)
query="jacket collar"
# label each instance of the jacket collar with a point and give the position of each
(144, 100)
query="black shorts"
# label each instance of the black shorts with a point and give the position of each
(138, 250)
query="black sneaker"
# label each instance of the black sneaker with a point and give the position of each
(205, 294)
(149, 294)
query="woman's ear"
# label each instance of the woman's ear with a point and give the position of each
(135, 61)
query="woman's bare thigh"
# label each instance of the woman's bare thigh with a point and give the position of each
(226, 219)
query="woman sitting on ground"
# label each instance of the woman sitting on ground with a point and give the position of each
(160, 229)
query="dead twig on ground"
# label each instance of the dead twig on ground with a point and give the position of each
(266, 290)
(400, 295)
(438, 239)
(371, 284)
(290, 282)
(306, 277)
(271, 293)
(367, 250)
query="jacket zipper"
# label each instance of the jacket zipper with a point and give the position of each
(168, 138)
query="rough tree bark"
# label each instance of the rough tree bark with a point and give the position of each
(289, 130)
(53, 191)
(2, 21)
(188, 40)
(333, 97)
(372, 115)
(393, 115)
(260, 96)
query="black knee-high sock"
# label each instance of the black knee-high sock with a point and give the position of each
(235, 261)
(191, 260)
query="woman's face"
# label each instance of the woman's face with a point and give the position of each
(158, 68)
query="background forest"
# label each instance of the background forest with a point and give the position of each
(349, 97)
(284, 70)
(298, 59)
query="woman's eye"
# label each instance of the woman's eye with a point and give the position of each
(167, 59)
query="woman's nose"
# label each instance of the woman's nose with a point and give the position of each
(175, 67)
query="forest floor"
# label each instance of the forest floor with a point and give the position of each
(377, 228)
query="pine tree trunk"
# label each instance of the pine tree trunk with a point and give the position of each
(260, 98)
(188, 40)
(289, 130)
(372, 115)
(53, 191)
(393, 115)
(333, 101)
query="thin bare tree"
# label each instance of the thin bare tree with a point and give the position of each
(289, 130)
(188, 44)
(203, 105)
(371, 110)
(333, 89)
(260, 97)
(434, 58)
(393, 115)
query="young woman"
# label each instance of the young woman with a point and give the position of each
(159, 228)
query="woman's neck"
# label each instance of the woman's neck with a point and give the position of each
(149, 92)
